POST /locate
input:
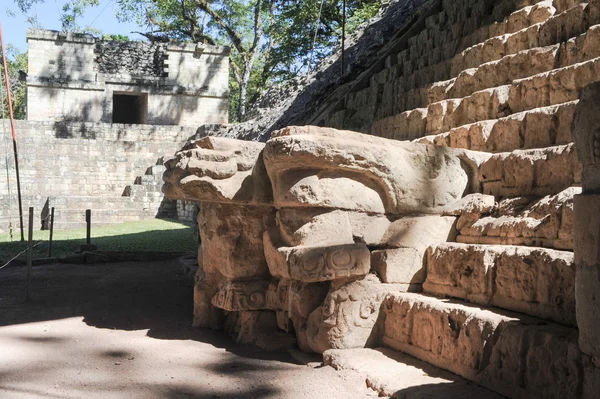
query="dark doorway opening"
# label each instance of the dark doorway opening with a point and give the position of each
(130, 108)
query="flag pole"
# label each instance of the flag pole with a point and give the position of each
(14, 135)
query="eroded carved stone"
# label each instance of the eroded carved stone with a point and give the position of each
(320, 167)
(480, 345)
(258, 328)
(399, 265)
(586, 132)
(302, 262)
(535, 281)
(216, 169)
(232, 239)
(317, 226)
(348, 316)
(205, 313)
(238, 296)
(314, 264)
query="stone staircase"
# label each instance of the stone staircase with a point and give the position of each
(501, 78)
(141, 200)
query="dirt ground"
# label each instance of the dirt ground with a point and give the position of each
(124, 331)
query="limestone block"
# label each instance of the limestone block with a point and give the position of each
(530, 172)
(258, 328)
(511, 354)
(471, 206)
(587, 258)
(238, 296)
(591, 379)
(588, 308)
(581, 48)
(399, 265)
(535, 281)
(278, 295)
(304, 298)
(205, 313)
(320, 167)
(554, 87)
(315, 226)
(347, 318)
(216, 169)
(391, 373)
(587, 229)
(550, 217)
(586, 132)
(232, 239)
(563, 26)
(315, 264)
(501, 72)
(537, 128)
(419, 232)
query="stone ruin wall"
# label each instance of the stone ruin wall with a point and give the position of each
(73, 158)
(112, 169)
(338, 240)
(130, 58)
(74, 77)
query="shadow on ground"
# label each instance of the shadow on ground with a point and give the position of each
(119, 237)
(154, 296)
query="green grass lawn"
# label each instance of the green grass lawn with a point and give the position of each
(146, 235)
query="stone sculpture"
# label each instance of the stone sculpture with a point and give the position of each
(308, 233)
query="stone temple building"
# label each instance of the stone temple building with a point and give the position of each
(77, 77)
(430, 216)
(100, 117)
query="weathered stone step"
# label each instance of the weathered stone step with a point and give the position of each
(536, 128)
(544, 222)
(535, 281)
(491, 63)
(444, 37)
(523, 64)
(542, 90)
(546, 32)
(395, 374)
(518, 356)
(537, 172)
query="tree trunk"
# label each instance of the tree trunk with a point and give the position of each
(248, 64)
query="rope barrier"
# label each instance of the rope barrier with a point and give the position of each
(26, 249)
(19, 254)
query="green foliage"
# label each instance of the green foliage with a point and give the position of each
(16, 61)
(296, 46)
(116, 38)
(71, 11)
(147, 235)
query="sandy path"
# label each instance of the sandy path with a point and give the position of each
(122, 331)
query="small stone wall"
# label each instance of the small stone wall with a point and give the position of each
(133, 58)
(91, 164)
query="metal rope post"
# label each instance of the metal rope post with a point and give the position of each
(29, 254)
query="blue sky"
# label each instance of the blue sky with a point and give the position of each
(101, 17)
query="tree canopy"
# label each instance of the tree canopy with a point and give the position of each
(16, 62)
